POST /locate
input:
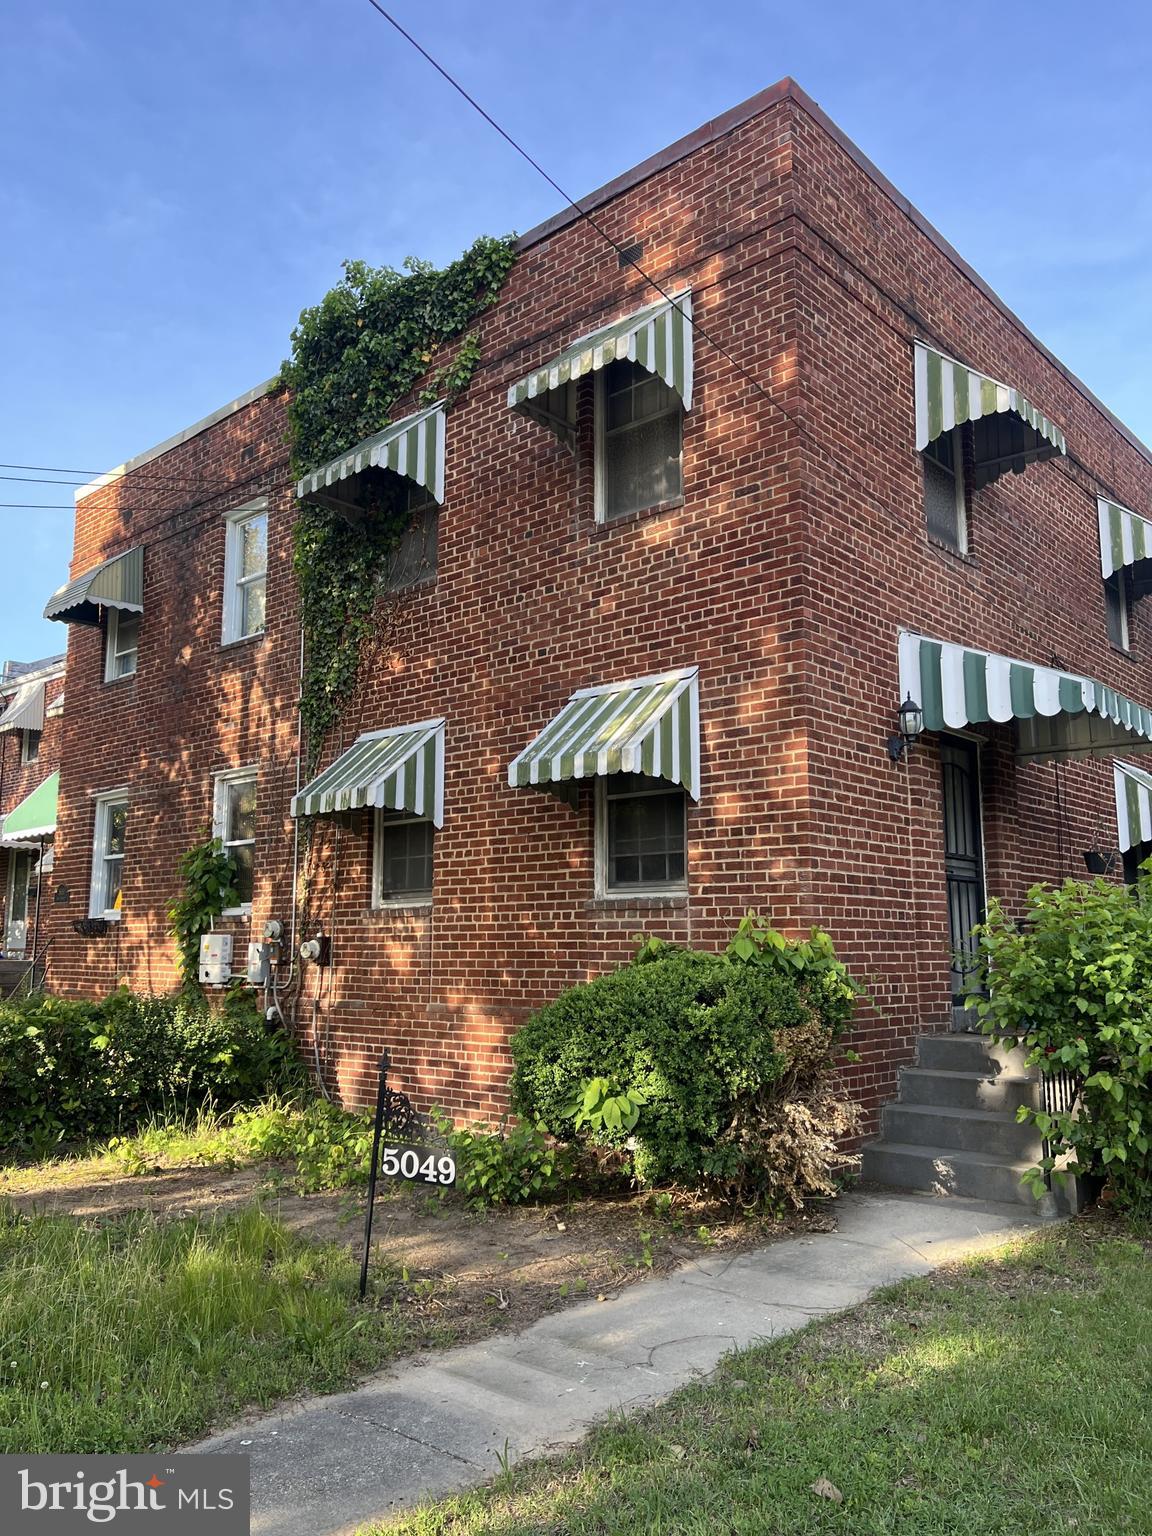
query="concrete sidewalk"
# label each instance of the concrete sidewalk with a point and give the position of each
(438, 1423)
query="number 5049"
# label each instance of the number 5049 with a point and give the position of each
(419, 1165)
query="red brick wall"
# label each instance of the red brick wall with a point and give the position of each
(870, 282)
(797, 553)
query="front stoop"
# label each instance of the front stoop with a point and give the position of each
(953, 1130)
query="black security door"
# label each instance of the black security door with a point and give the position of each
(963, 864)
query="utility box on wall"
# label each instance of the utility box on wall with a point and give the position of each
(215, 958)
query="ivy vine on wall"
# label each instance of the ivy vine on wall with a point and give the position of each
(369, 344)
(208, 876)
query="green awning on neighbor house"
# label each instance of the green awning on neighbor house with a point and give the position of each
(117, 583)
(657, 337)
(412, 448)
(1125, 540)
(26, 710)
(948, 394)
(650, 725)
(35, 817)
(1133, 806)
(1058, 714)
(395, 770)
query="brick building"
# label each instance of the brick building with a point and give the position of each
(31, 710)
(676, 561)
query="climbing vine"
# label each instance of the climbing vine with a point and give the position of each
(208, 872)
(374, 340)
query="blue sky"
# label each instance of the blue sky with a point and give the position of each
(177, 182)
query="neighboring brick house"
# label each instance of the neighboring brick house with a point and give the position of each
(31, 710)
(670, 580)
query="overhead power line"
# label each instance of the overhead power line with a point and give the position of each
(626, 257)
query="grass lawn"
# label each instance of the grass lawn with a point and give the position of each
(1008, 1396)
(135, 1333)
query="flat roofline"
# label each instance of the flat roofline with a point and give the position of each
(788, 90)
(179, 437)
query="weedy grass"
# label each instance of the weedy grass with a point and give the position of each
(136, 1333)
(1006, 1395)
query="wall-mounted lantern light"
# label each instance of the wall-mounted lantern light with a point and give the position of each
(911, 721)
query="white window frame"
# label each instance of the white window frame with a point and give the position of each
(957, 436)
(112, 651)
(381, 821)
(600, 435)
(605, 892)
(221, 783)
(104, 801)
(1116, 591)
(27, 758)
(230, 633)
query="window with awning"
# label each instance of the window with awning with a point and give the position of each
(401, 769)
(1008, 432)
(1125, 546)
(25, 711)
(360, 479)
(648, 726)
(116, 583)
(35, 817)
(1058, 714)
(657, 338)
(1133, 806)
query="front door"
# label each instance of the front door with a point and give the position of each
(963, 865)
(19, 893)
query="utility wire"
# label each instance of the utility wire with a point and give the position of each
(625, 257)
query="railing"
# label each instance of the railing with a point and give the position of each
(1059, 1092)
(27, 983)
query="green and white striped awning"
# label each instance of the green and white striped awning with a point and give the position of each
(394, 770)
(35, 817)
(1125, 537)
(658, 337)
(412, 448)
(1133, 806)
(25, 712)
(117, 583)
(948, 394)
(1058, 714)
(650, 725)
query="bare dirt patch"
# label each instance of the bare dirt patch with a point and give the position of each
(466, 1273)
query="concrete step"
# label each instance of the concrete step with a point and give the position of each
(968, 1053)
(968, 1090)
(993, 1132)
(946, 1171)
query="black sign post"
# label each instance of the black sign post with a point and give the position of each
(377, 1132)
(416, 1164)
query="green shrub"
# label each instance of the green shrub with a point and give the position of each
(812, 963)
(509, 1166)
(331, 1146)
(687, 1037)
(72, 1070)
(1073, 984)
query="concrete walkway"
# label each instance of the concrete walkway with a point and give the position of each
(438, 1423)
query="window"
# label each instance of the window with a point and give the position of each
(1116, 603)
(639, 428)
(641, 835)
(414, 560)
(245, 572)
(108, 854)
(944, 504)
(122, 642)
(402, 866)
(234, 823)
(29, 747)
